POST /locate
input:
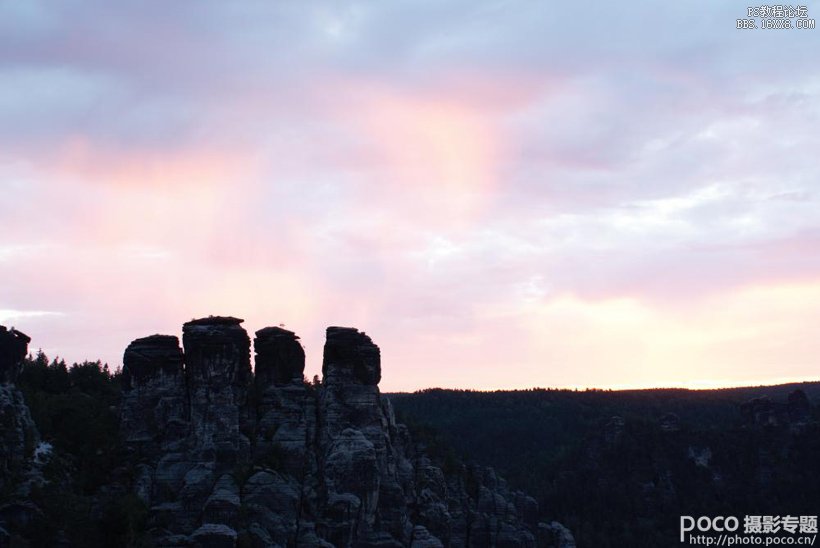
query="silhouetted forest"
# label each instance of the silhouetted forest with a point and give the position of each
(76, 410)
(619, 467)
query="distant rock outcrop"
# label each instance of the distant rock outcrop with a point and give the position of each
(763, 411)
(669, 422)
(226, 457)
(798, 407)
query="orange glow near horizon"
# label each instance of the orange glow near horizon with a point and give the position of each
(574, 343)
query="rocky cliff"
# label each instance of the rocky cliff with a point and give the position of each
(227, 457)
(18, 435)
(20, 447)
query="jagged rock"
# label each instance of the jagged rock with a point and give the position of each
(351, 467)
(214, 535)
(272, 503)
(218, 373)
(352, 355)
(155, 426)
(351, 475)
(351, 406)
(171, 540)
(196, 487)
(760, 411)
(422, 538)
(258, 536)
(223, 504)
(150, 359)
(308, 537)
(380, 539)
(154, 411)
(282, 425)
(280, 358)
(170, 472)
(22, 455)
(18, 433)
(527, 508)
(144, 482)
(350, 395)
(13, 350)
(555, 535)
(763, 412)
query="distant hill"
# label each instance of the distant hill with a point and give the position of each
(620, 467)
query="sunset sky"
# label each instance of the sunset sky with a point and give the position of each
(502, 194)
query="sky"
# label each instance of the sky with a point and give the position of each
(502, 194)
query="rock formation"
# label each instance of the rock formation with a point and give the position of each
(798, 407)
(18, 434)
(226, 457)
(669, 422)
(154, 390)
(763, 411)
(13, 349)
(19, 438)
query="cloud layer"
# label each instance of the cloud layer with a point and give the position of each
(503, 194)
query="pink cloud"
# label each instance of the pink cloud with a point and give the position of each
(499, 199)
